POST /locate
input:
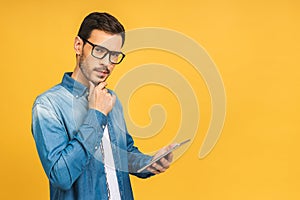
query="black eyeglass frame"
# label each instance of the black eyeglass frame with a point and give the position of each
(107, 51)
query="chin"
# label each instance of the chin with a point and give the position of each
(100, 80)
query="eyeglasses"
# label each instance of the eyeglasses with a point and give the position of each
(115, 57)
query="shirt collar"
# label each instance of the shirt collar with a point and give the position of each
(77, 89)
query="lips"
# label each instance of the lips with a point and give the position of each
(102, 72)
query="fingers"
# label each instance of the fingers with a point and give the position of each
(100, 99)
(170, 155)
(164, 163)
(101, 88)
(154, 170)
(102, 85)
(160, 166)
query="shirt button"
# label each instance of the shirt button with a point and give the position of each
(76, 96)
(103, 126)
(96, 147)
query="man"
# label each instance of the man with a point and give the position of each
(78, 125)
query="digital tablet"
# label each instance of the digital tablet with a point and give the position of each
(163, 155)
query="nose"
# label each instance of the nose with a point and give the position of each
(105, 61)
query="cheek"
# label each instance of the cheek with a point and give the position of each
(87, 61)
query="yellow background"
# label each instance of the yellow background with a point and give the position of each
(255, 45)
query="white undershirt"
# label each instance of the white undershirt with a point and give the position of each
(109, 166)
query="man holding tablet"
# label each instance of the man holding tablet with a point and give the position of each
(78, 125)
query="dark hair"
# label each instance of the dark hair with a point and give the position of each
(101, 21)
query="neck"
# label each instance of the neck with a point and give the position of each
(78, 76)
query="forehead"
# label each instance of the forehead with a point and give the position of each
(110, 41)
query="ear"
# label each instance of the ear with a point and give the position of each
(78, 45)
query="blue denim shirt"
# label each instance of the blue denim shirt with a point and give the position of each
(68, 135)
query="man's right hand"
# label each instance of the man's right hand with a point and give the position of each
(99, 98)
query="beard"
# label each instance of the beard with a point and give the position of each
(88, 71)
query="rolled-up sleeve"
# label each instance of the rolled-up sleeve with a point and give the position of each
(137, 159)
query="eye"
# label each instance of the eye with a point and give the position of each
(115, 54)
(99, 49)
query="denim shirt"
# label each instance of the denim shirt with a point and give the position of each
(68, 134)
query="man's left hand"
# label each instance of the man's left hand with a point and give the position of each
(164, 163)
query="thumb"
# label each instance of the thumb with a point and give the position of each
(91, 89)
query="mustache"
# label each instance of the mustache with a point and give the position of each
(102, 69)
